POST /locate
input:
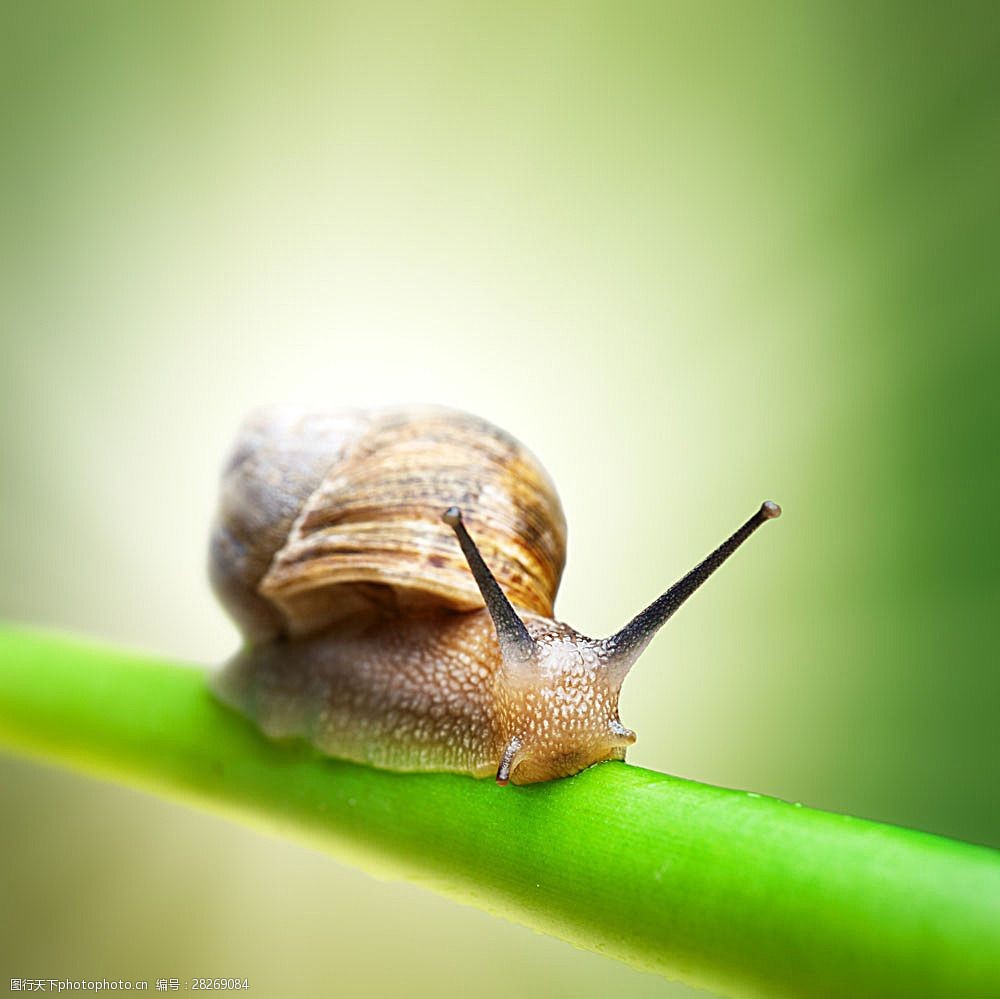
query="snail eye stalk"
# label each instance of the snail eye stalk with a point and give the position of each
(516, 645)
(622, 649)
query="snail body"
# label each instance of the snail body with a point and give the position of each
(374, 635)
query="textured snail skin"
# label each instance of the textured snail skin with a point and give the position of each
(365, 631)
(430, 692)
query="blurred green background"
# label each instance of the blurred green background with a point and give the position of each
(694, 256)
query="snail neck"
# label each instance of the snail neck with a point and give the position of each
(406, 693)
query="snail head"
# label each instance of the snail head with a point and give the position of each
(557, 696)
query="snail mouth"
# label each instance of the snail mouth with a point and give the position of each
(522, 764)
(535, 770)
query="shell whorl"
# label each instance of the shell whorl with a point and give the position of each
(328, 517)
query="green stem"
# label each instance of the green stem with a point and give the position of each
(722, 889)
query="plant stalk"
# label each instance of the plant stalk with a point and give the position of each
(733, 892)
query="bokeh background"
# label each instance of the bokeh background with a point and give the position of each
(693, 255)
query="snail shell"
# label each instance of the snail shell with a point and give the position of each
(330, 517)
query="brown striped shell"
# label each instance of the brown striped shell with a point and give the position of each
(331, 516)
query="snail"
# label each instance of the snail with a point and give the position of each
(393, 573)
